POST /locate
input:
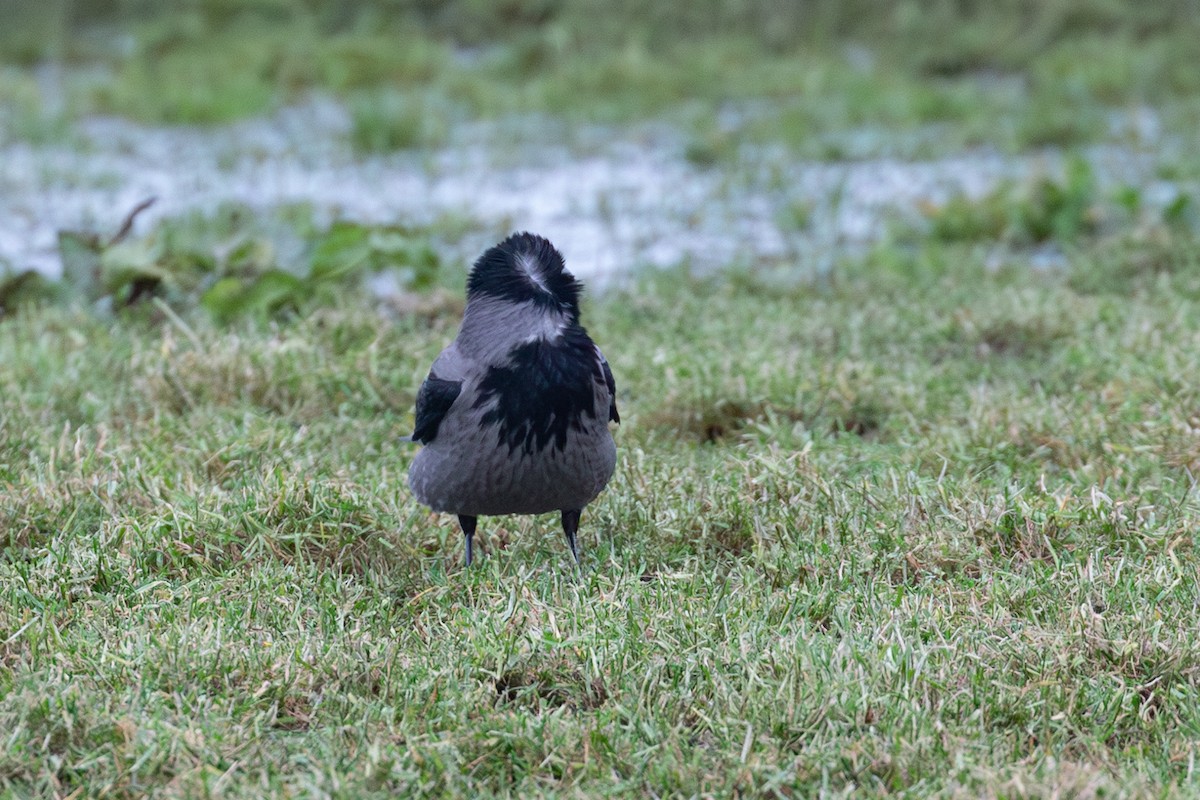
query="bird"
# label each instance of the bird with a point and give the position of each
(514, 415)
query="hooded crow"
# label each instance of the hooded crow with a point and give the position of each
(514, 414)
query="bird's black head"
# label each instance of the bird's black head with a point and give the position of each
(525, 268)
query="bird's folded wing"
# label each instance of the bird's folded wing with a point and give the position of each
(433, 401)
(611, 383)
(439, 391)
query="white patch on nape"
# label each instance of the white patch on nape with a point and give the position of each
(531, 267)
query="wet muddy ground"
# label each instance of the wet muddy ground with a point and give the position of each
(614, 199)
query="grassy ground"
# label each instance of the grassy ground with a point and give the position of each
(1011, 74)
(922, 528)
(925, 526)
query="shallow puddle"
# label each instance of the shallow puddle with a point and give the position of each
(612, 200)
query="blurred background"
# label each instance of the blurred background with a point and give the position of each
(303, 139)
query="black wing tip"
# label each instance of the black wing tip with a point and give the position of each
(611, 383)
(525, 267)
(433, 401)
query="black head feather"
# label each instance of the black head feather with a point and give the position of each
(525, 268)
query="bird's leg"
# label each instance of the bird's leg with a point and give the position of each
(468, 529)
(570, 522)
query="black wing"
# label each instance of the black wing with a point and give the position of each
(611, 382)
(433, 401)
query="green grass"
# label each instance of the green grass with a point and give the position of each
(235, 261)
(1013, 75)
(384, 121)
(922, 528)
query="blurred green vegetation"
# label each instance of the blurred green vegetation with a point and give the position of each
(1015, 73)
(1064, 209)
(940, 37)
(237, 262)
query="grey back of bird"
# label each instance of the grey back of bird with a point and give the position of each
(514, 414)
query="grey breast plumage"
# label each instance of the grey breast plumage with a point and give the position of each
(514, 414)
